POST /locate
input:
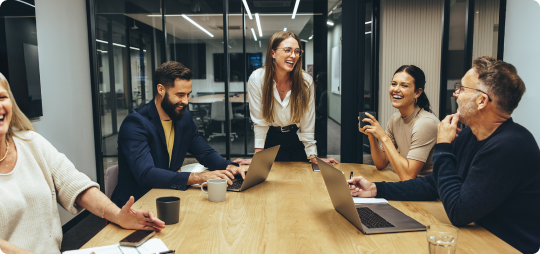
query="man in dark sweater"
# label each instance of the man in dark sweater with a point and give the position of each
(490, 174)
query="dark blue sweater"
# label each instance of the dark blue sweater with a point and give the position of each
(494, 183)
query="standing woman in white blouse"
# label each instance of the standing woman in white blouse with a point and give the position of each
(282, 104)
(35, 178)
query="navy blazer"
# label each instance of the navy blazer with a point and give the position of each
(143, 159)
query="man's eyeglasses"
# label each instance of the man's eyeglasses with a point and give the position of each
(288, 51)
(458, 86)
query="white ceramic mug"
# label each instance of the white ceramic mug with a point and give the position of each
(217, 188)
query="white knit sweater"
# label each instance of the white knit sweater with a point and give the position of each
(42, 177)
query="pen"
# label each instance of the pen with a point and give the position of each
(350, 178)
(165, 252)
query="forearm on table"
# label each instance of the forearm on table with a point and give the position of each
(95, 202)
(418, 189)
(377, 154)
(9, 248)
(401, 165)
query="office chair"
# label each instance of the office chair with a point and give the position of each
(217, 113)
(111, 180)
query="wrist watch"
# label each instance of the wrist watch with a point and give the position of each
(312, 156)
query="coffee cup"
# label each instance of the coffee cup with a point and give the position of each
(168, 209)
(217, 188)
(363, 115)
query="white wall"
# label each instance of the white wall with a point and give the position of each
(410, 34)
(522, 49)
(65, 83)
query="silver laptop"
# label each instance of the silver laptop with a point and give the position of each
(258, 170)
(368, 218)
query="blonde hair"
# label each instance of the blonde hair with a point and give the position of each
(300, 92)
(19, 121)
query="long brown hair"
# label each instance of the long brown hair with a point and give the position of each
(19, 121)
(300, 90)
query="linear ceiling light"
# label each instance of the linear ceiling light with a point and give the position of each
(247, 9)
(254, 36)
(25, 3)
(330, 23)
(231, 14)
(369, 22)
(197, 25)
(259, 44)
(295, 9)
(258, 24)
(310, 37)
(303, 40)
(285, 29)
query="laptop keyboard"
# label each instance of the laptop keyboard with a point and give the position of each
(372, 220)
(237, 183)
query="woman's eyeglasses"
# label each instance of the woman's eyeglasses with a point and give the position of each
(288, 51)
(458, 86)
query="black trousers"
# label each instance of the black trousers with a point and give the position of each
(291, 149)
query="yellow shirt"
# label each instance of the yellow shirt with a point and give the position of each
(169, 136)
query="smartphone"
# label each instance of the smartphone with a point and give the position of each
(137, 238)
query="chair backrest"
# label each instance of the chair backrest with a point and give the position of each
(217, 112)
(111, 180)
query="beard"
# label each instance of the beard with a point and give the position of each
(170, 108)
(467, 111)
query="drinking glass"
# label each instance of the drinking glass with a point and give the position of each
(442, 238)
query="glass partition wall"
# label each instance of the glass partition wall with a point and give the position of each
(132, 38)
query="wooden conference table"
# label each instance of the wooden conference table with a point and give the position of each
(292, 213)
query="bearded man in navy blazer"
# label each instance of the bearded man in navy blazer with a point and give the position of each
(153, 141)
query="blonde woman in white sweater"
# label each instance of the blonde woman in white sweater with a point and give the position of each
(35, 177)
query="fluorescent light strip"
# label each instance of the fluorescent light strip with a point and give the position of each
(295, 8)
(233, 14)
(258, 24)
(303, 40)
(310, 37)
(119, 45)
(285, 29)
(101, 41)
(259, 44)
(25, 3)
(254, 36)
(369, 22)
(247, 9)
(368, 32)
(330, 23)
(197, 25)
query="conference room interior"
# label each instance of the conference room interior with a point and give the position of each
(129, 39)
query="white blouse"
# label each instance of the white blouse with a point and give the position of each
(306, 127)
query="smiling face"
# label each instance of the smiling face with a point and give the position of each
(402, 92)
(5, 110)
(283, 61)
(466, 99)
(176, 99)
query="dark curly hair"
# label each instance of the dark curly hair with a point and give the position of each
(169, 71)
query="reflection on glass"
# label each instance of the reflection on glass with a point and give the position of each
(456, 52)
(486, 28)
(127, 45)
(333, 94)
(195, 39)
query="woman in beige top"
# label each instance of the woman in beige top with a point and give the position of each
(411, 133)
(35, 178)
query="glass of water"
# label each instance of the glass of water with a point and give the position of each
(442, 238)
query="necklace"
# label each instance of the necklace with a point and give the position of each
(7, 150)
